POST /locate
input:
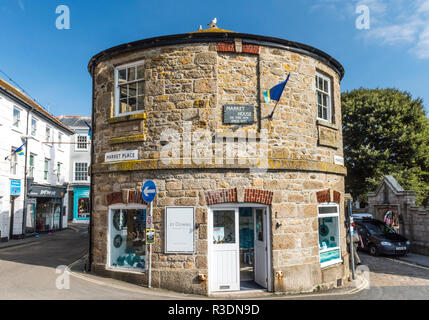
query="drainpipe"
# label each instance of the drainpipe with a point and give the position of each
(91, 189)
(24, 211)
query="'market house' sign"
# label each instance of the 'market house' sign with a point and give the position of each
(122, 155)
(235, 114)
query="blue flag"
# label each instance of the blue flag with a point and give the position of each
(275, 92)
(20, 150)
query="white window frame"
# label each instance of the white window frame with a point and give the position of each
(18, 122)
(59, 165)
(77, 148)
(329, 95)
(74, 171)
(327, 215)
(31, 167)
(117, 94)
(46, 170)
(48, 139)
(13, 161)
(60, 140)
(121, 206)
(33, 120)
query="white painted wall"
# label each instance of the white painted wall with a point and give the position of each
(10, 136)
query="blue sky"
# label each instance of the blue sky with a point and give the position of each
(51, 64)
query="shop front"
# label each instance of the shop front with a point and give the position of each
(81, 208)
(45, 204)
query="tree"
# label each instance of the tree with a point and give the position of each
(385, 132)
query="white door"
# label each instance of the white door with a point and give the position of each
(261, 263)
(224, 268)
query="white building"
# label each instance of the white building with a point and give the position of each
(46, 157)
(80, 160)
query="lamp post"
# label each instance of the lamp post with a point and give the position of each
(24, 211)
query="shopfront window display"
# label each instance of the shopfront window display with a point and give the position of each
(329, 234)
(83, 208)
(127, 238)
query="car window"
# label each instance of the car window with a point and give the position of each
(378, 228)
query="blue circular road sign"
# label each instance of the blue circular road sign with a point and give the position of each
(149, 191)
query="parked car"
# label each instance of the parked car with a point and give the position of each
(362, 215)
(378, 238)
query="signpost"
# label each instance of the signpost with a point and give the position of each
(149, 193)
(15, 187)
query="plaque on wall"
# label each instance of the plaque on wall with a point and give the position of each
(328, 137)
(236, 114)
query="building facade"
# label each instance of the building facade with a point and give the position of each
(42, 170)
(244, 200)
(80, 160)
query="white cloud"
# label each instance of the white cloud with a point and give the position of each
(393, 22)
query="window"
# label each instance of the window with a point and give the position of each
(329, 234)
(127, 238)
(33, 126)
(60, 140)
(82, 142)
(83, 208)
(46, 169)
(58, 169)
(129, 89)
(16, 117)
(13, 161)
(81, 171)
(31, 168)
(323, 91)
(48, 134)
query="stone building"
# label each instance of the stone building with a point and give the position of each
(244, 200)
(412, 221)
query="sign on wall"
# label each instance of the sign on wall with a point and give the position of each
(235, 114)
(15, 187)
(179, 229)
(122, 155)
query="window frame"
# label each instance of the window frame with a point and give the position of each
(18, 124)
(74, 171)
(60, 140)
(48, 139)
(329, 97)
(122, 206)
(77, 142)
(31, 167)
(117, 92)
(13, 162)
(46, 170)
(328, 215)
(33, 120)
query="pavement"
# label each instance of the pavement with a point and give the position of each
(28, 270)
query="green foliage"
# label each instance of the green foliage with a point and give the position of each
(385, 132)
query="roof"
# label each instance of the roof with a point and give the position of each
(218, 35)
(75, 121)
(395, 184)
(26, 100)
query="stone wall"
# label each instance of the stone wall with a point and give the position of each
(190, 83)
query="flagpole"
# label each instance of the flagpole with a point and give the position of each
(272, 113)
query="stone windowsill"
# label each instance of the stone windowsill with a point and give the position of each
(326, 124)
(130, 117)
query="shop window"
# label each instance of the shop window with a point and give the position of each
(323, 92)
(83, 208)
(81, 171)
(130, 89)
(329, 234)
(127, 238)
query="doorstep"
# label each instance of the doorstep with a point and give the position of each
(242, 294)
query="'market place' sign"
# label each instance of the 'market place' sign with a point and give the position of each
(122, 155)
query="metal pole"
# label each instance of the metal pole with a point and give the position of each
(351, 242)
(150, 250)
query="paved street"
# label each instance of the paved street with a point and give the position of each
(28, 271)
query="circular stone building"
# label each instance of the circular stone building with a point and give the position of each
(250, 194)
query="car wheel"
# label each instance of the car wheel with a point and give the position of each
(373, 250)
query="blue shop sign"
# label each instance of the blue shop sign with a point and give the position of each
(15, 187)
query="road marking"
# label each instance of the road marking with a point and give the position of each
(408, 263)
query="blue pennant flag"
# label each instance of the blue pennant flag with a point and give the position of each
(275, 92)
(20, 150)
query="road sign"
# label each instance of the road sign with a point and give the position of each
(150, 236)
(15, 187)
(149, 191)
